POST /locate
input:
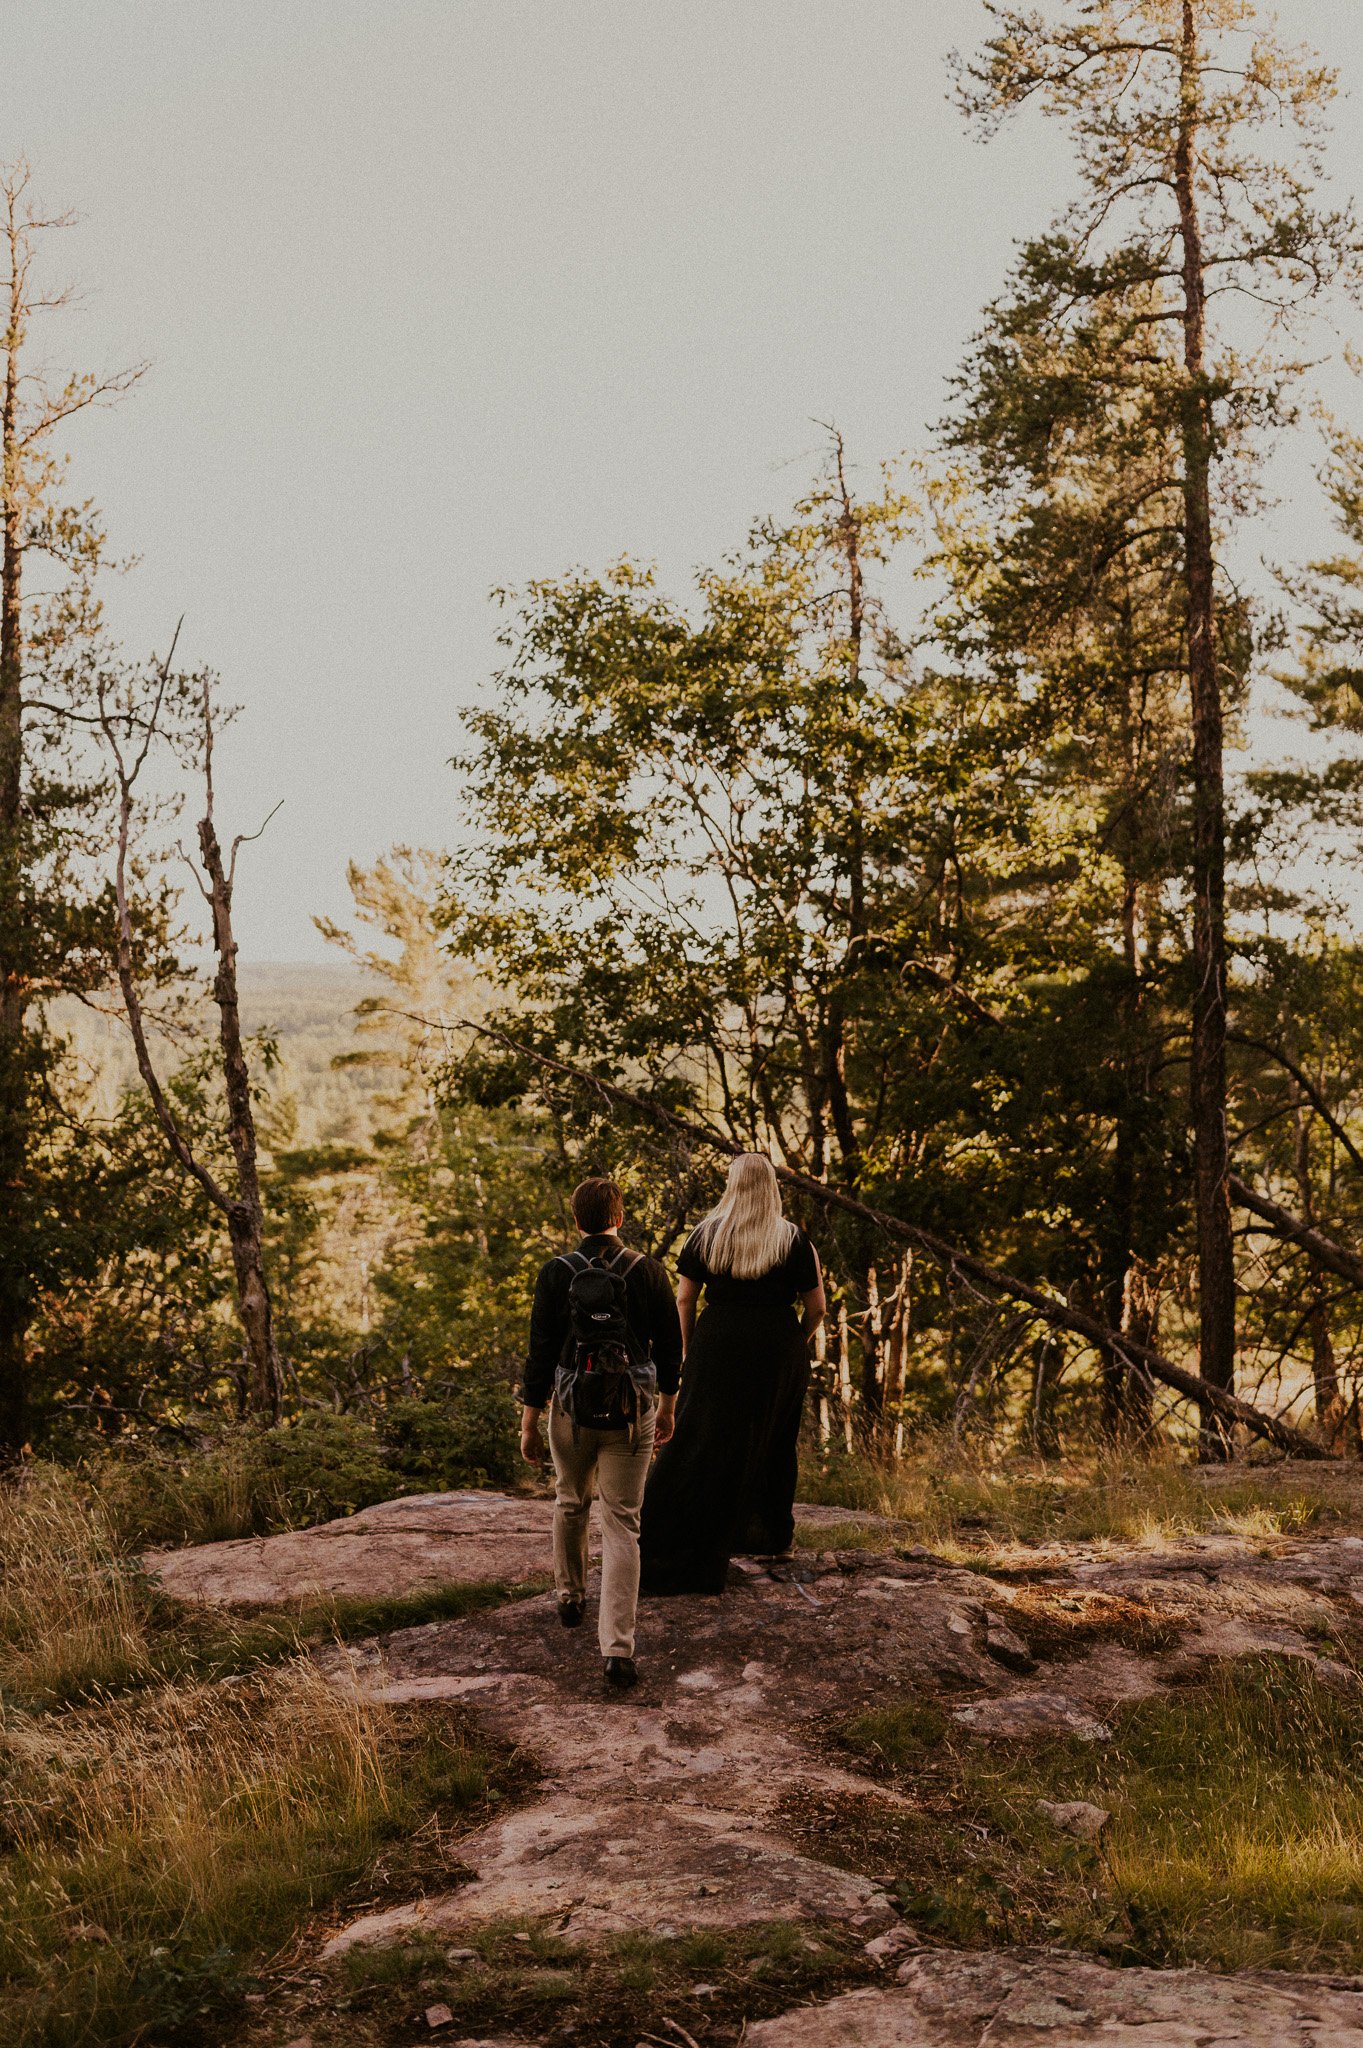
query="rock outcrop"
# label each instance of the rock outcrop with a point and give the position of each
(1003, 1999)
(680, 1806)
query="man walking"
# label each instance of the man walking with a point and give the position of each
(601, 1280)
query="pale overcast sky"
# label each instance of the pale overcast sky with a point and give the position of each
(442, 294)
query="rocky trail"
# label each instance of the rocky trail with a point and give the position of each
(711, 1797)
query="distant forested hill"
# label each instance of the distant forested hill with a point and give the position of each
(307, 1008)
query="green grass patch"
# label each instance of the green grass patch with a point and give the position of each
(522, 1980)
(847, 1535)
(1236, 1838)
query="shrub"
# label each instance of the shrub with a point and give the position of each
(325, 1465)
(468, 1439)
(244, 1482)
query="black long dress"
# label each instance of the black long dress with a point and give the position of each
(726, 1481)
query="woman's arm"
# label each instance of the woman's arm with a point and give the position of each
(688, 1294)
(815, 1301)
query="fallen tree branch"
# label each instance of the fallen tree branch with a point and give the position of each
(1308, 1089)
(1337, 1258)
(1271, 1428)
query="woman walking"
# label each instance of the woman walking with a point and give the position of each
(726, 1482)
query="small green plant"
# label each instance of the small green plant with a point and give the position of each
(898, 1738)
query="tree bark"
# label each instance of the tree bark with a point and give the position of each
(245, 1218)
(15, 1305)
(1207, 1081)
(1324, 1369)
(833, 1064)
(1125, 1293)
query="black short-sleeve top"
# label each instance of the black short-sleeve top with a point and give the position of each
(797, 1273)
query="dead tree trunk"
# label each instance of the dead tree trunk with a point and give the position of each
(14, 1304)
(1324, 1370)
(1334, 1257)
(1207, 1081)
(242, 1210)
(246, 1219)
(833, 1062)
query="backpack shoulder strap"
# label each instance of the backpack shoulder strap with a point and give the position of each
(574, 1261)
(631, 1259)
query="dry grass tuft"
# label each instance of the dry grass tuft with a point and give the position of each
(159, 1840)
(1063, 1621)
(960, 1497)
(71, 1617)
(155, 1848)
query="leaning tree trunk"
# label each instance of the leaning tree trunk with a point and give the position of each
(1207, 1081)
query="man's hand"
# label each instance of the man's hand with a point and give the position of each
(532, 1443)
(665, 1421)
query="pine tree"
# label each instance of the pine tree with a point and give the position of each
(1196, 135)
(1062, 556)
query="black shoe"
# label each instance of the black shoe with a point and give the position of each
(621, 1672)
(570, 1612)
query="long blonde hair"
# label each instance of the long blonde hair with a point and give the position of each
(745, 1233)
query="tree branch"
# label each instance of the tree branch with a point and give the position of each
(1337, 1258)
(1308, 1089)
(127, 776)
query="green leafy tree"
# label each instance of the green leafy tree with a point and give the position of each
(786, 865)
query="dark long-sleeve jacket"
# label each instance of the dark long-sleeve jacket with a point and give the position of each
(650, 1307)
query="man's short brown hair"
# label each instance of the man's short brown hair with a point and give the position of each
(598, 1206)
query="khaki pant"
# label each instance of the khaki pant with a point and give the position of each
(600, 1463)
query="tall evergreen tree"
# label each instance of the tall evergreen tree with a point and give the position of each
(1065, 574)
(1196, 135)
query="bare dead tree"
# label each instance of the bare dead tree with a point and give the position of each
(129, 732)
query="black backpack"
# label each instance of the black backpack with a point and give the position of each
(604, 1379)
